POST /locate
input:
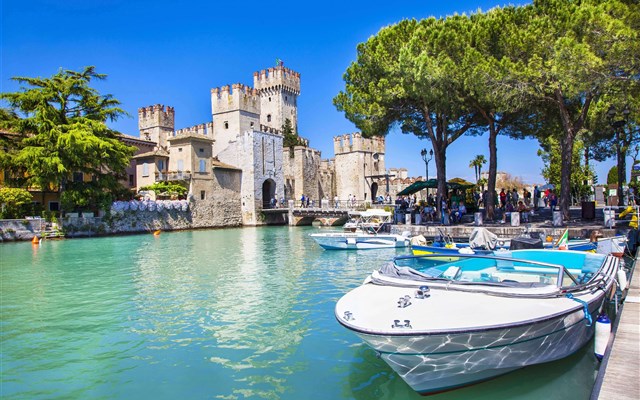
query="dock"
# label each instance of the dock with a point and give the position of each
(619, 376)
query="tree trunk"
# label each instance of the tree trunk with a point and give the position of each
(622, 167)
(441, 167)
(566, 151)
(489, 202)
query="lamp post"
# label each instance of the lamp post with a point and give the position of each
(617, 122)
(424, 153)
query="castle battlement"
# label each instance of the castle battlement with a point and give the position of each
(277, 78)
(234, 98)
(156, 116)
(200, 129)
(268, 129)
(353, 142)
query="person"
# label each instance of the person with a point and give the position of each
(444, 211)
(536, 197)
(632, 197)
(336, 201)
(553, 200)
(524, 211)
(508, 209)
(302, 201)
(273, 202)
(503, 199)
(457, 213)
(546, 197)
(388, 199)
(515, 197)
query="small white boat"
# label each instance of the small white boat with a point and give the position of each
(442, 325)
(363, 232)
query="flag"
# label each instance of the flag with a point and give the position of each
(563, 242)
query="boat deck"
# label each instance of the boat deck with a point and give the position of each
(621, 377)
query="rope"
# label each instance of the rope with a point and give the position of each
(585, 308)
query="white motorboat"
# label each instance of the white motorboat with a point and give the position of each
(364, 232)
(442, 325)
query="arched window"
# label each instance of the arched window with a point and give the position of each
(268, 117)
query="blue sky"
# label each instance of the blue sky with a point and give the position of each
(173, 53)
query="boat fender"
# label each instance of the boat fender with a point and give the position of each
(622, 278)
(466, 250)
(603, 331)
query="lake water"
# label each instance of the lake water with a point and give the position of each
(211, 314)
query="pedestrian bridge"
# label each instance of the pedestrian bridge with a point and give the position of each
(305, 216)
(326, 216)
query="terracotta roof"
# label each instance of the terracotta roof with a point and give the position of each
(215, 163)
(153, 153)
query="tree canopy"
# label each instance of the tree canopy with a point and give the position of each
(529, 71)
(61, 130)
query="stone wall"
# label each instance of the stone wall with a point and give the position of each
(20, 229)
(217, 212)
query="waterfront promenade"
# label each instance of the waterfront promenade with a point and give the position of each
(619, 377)
(541, 221)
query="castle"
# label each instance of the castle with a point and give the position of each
(238, 157)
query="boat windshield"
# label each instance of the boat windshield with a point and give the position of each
(520, 268)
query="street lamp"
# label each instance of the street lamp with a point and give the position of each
(424, 153)
(618, 125)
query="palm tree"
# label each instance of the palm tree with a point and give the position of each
(476, 163)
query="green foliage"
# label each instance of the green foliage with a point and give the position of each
(291, 138)
(61, 130)
(612, 176)
(14, 202)
(552, 172)
(167, 189)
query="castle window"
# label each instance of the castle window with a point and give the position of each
(201, 150)
(226, 125)
(147, 136)
(285, 98)
(251, 124)
(54, 206)
(145, 169)
(179, 149)
(131, 181)
(202, 193)
(203, 166)
(268, 117)
(269, 99)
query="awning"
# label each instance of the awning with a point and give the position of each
(418, 186)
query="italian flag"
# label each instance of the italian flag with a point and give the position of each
(563, 242)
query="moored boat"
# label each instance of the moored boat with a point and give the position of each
(364, 232)
(444, 324)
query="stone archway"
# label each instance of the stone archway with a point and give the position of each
(268, 192)
(374, 191)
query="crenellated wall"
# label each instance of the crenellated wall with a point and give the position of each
(156, 123)
(357, 161)
(279, 89)
(302, 166)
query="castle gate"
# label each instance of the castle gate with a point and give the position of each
(268, 192)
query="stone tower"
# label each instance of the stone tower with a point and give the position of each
(279, 88)
(234, 111)
(357, 161)
(156, 124)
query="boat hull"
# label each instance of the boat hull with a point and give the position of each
(359, 242)
(436, 363)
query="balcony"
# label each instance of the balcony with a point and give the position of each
(173, 176)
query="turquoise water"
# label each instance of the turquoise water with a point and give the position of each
(211, 314)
